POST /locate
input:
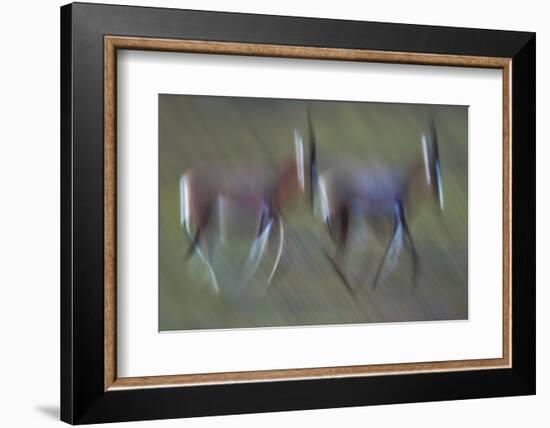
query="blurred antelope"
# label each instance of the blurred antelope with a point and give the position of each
(213, 193)
(376, 195)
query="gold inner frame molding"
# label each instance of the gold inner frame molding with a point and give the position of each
(113, 43)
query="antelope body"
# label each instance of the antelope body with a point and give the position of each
(249, 192)
(376, 194)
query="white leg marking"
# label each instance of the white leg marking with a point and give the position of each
(221, 219)
(299, 147)
(426, 165)
(184, 203)
(325, 209)
(440, 187)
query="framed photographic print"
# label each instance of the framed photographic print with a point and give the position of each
(264, 213)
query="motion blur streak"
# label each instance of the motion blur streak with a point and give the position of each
(253, 233)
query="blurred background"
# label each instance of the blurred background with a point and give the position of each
(204, 130)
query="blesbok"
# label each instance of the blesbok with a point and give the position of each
(215, 192)
(376, 194)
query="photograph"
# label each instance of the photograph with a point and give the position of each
(291, 212)
(262, 211)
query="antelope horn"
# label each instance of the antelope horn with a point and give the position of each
(436, 165)
(312, 159)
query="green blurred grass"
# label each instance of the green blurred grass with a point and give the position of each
(306, 291)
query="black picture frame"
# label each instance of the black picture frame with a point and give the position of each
(83, 396)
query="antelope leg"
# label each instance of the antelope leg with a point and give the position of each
(343, 221)
(344, 232)
(279, 252)
(193, 245)
(201, 249)
(199, 246)
(212, 274)
(338, 270)
(368, 263)
(263, 229)
(256, 252)
(412, 247)
(391, 255)
(201, 229)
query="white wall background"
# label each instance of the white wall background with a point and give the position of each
(29, 213)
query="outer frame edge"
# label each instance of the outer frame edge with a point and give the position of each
(524, 214)
(66, 305)
(521, 376)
